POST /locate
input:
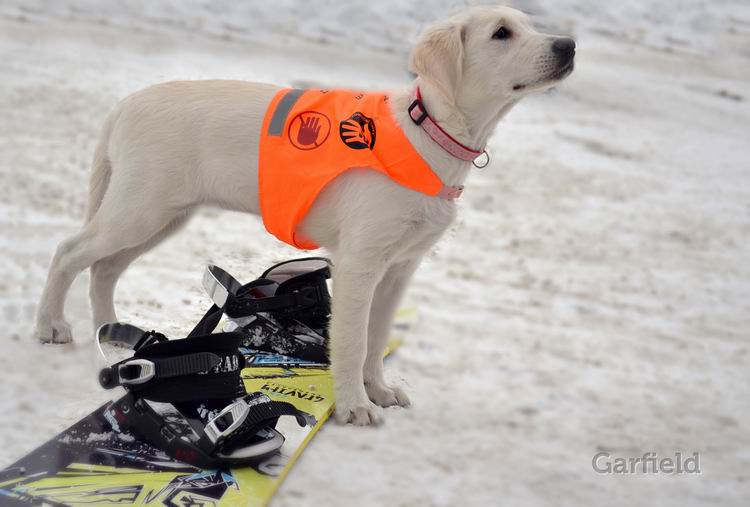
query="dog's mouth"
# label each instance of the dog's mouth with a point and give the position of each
(556, 75)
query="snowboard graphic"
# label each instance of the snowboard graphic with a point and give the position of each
(90, 464)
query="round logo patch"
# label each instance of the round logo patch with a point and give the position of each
(358, 132)
(308, 130)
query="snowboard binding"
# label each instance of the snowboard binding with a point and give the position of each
(285, 311)
(186, 397)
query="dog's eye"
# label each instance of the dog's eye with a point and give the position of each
(502, 33)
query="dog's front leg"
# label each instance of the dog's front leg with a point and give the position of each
(354, 282)
(385, 303)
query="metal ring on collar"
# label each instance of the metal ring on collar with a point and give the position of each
(486, 160)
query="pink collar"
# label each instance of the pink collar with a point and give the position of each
(421, 117)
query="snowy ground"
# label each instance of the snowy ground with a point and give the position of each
(595, 294)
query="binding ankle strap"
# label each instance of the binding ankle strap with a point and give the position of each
(200, 368)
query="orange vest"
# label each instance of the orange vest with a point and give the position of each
(309, 137)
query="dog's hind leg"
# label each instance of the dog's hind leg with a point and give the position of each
(51, 325)
(106, 272)
(119, 224)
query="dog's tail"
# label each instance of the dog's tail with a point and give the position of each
(101, 169)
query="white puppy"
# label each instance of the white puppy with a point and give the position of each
(170, 148)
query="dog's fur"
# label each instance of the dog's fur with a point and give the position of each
(172, 147)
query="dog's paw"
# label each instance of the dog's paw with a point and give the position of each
(387, 396)
(364, 413)
(57, 331)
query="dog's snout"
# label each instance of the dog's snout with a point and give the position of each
(564, 46)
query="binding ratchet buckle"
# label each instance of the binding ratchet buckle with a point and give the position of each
(227, 421)
(245, 416)
(136, 371)
(128, 372)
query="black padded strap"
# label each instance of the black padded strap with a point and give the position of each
(201, 368)
(221, 386)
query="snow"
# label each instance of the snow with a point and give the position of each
(594, 295)
(98, 437)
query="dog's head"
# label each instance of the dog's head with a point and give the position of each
(490, 53)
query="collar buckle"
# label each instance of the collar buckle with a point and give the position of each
(422, 117)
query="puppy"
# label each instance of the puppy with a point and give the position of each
(173, 147)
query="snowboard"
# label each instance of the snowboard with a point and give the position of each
(90, 464)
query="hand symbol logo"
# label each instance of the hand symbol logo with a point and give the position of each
(308, 130)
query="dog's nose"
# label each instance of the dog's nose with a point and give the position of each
(564, 46)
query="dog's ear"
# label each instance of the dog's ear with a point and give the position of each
(438, 56)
